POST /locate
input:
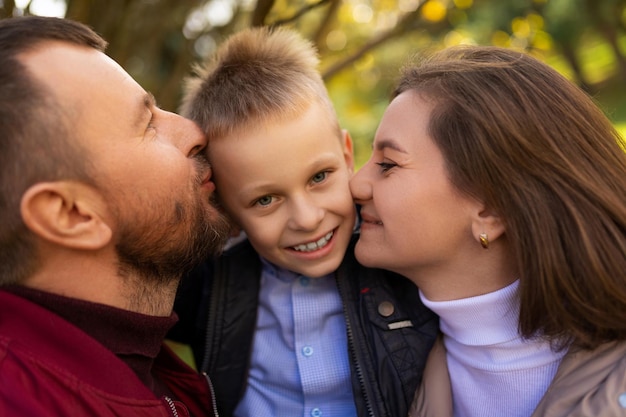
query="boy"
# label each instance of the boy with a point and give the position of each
(287, 322)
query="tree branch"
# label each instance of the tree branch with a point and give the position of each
(401, 28)
(300, 13)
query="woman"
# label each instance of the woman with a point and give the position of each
(499, 189)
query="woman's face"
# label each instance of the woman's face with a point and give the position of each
(414, 221)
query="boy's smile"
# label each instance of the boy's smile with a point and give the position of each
(316, 245)
(286, 184)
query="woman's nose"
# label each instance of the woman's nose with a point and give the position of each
(360, 186)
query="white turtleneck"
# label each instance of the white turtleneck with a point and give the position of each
(493, 371)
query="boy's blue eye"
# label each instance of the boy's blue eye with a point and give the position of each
(266, 200)
(320, 176)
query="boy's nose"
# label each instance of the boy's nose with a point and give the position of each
(305, 215)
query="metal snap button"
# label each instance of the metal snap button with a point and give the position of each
(386, 309)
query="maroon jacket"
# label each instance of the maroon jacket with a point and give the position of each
(49, 367)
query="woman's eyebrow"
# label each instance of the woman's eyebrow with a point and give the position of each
(389, 143)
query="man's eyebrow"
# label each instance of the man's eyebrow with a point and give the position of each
(389, 143)
(147, 102)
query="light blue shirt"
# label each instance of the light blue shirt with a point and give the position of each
(299, 364)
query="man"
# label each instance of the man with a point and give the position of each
(105, 201)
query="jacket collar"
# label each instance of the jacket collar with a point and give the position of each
(49, 338)
(586, 383)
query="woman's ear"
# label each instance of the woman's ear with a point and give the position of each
(487, 226)
(66, 213)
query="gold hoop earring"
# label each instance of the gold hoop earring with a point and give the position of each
(484, 240)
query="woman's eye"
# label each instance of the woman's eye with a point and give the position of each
(385, 166)
(320, 176)
(265, 200)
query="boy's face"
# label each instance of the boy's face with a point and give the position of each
(286, 185)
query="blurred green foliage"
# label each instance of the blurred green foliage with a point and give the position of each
(362, 43)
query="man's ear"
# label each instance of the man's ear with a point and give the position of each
(348, 151)
(487, 221)
(66, 213)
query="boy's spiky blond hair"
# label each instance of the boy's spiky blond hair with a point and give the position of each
(257, 75)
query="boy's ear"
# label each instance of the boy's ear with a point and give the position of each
(348, 151)
(487, 221)
(66, 213)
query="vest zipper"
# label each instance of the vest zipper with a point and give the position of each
(353, 354)
(217, 295)
(213, 399)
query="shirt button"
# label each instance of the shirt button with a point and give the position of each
(316, 412)
(622, 400)
(307, 351)
(385, 309)
(304, 281)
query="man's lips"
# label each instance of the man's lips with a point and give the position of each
(207, 176)
(206, 182)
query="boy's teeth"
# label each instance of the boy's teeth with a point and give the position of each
(309, 247)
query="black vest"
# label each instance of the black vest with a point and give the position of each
(390, 331)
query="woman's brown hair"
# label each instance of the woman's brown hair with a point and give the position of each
(539, 152)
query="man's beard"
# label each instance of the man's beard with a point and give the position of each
(162, 251)
(159, 246)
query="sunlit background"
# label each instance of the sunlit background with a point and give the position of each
(362, 43)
